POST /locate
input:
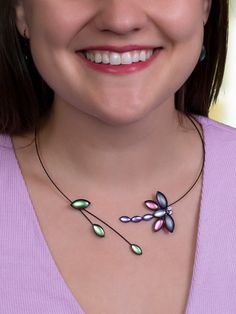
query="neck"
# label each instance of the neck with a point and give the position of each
(107, 155)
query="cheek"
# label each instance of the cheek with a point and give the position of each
(181, 24)
(178, 20)
(56, 23)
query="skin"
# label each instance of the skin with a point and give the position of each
(120, 135)
(116, 113)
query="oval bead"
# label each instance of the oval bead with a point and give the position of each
(158, 225)
(136, 219)
(151, 205)
(161, 200)
(169, 223)
(80, 204)
(99, 231)
(125, 219)
(159, 213)
(136, 249)
(147, 217)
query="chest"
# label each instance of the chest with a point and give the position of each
(106, 277)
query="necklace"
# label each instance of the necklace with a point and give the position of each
(160, 208)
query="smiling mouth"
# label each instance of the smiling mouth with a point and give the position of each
(117, 58)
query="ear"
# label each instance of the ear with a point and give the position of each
(206, 9)
(20, 18)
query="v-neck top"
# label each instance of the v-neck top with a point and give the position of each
(31, 283)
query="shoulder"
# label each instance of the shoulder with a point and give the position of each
(215, 125)
(7, 170)
(220, 151)
(7, 155)
(212, 125)
(6, 148)
(218, 135)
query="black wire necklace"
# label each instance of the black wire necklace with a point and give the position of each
(161, 209)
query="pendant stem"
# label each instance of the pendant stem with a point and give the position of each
(86, 216)
(106, 225)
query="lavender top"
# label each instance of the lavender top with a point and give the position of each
(30, 281)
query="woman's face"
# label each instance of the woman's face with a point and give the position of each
(114, 31)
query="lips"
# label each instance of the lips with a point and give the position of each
(119, 49)
(116, 58)
(119, 60)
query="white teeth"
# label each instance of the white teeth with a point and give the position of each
(143, 56)
(149, 53)
(105, 58)
(126, 58)
(116, 58)
(98, 57)
(90, 57)
(136, 55)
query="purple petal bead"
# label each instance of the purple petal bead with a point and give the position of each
(136, 219)
(147, 217)
(159, 213)
(161, 200)
(125, 219)
(169, 223)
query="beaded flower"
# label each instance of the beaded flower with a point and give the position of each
(162, 211)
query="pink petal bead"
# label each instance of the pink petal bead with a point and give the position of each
(152, 205)
(158, 225)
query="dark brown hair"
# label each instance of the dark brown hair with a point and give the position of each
(25, 98)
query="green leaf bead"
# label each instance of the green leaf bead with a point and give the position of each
(99, 231)
(80, 204)
(136, 249)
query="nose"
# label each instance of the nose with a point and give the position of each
(121, 17)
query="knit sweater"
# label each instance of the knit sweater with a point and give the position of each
(30, 282)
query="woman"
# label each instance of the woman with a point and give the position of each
(105, 140)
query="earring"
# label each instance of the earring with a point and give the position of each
(26, 46)
(203, 54)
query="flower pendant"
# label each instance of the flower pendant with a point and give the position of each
(161, 211)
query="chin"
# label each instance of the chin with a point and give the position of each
(121, 118)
